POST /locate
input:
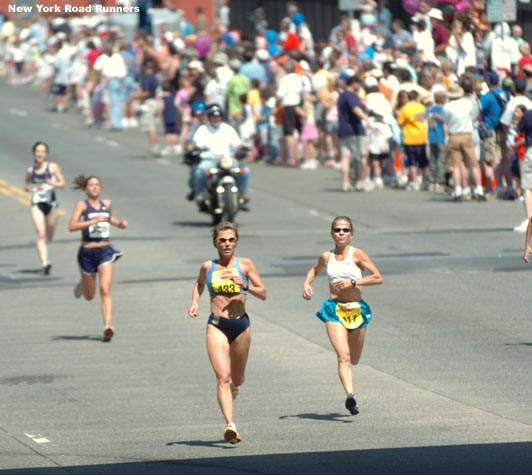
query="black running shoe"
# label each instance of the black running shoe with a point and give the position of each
(107, 335)
(46, 269)
(351, 405)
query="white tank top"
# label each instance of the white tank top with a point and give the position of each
(345, 269)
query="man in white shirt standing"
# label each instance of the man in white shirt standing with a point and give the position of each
(289, 93)
(457, 115)
(113, 70)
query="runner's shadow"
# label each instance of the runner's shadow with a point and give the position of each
(29, 271)
(76, 338)
(518, 344)
(202, 443)
(336, 417)
(193, 224)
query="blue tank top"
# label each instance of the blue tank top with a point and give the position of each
(97, 232)
(47, 194)
(218, 280)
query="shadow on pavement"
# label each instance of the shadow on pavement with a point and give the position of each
(486, 459)
(333, 416)
(76, 338)
(203, 443)
(194, 224)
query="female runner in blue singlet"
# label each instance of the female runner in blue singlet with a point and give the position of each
(229, 279)
(345, 314)
(42, 178)
(93, 217)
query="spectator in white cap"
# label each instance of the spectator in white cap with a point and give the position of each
(458, 116)
(198, 81)
(263, 57)
(220, 74)
(440, 34)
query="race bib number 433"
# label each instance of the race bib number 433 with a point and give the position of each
(350, 314)
(222, 283)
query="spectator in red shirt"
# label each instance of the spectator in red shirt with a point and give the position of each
(92, 55)
(526, 58)
(289, 38)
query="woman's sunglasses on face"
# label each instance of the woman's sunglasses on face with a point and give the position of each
(342, 230)
(224, 240)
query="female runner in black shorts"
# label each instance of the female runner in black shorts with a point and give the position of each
(229, 279)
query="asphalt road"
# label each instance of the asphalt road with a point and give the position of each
(444, 384)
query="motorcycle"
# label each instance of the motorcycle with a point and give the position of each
(221, 198)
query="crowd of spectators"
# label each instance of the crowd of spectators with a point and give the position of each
(432, 103)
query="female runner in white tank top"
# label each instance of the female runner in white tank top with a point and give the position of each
(345, 314)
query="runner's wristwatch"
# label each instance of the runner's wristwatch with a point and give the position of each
(353, 282)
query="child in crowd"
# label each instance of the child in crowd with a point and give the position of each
(98, 102)
(182, 104)
(198, 118)
(170, 120)
(380, 134)
(401, 177)
(515, 143)
(412, 122)
(309, 133)
(437, 143)
(264, 123)
(329, 98)
(247, 127)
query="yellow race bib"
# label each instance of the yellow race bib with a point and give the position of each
(222, 283)
(349, 314)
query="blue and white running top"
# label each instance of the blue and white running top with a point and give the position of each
(96, 232)
(219, 280)
(41, 191)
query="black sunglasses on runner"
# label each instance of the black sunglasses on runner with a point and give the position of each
(224, 240)
(345, 230)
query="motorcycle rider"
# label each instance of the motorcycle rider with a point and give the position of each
(218, 139)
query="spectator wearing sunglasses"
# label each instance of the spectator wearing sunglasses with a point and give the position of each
(345, 314)
(229, 279)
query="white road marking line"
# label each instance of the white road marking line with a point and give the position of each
(112, 143)
(38, 438)
(313, 212)
(19, 112)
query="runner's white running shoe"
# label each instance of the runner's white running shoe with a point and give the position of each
(231, 435)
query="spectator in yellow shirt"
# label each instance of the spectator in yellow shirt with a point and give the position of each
(412, 122)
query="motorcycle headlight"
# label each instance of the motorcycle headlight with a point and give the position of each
(226, 162)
